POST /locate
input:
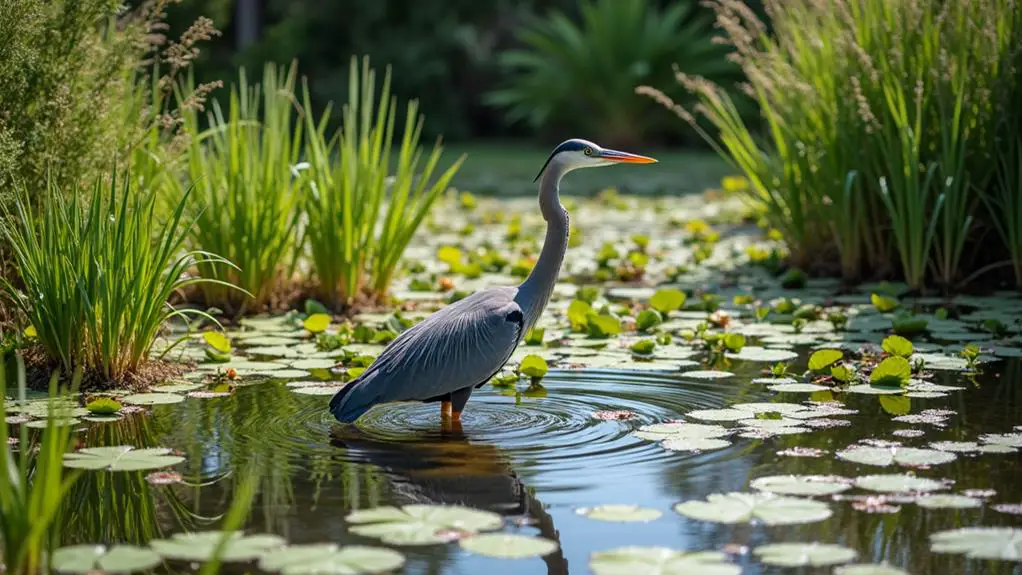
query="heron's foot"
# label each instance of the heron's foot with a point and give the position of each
(445, 410)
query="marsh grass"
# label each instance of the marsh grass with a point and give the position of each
(369, 189)
(246, 200)
(33, 482)
(97, 273)
(879, 127)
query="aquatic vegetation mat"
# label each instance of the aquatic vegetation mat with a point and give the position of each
(680, 386)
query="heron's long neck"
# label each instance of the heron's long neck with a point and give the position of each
(535, 291)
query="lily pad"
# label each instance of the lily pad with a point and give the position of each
(327, 558)
(304, 364)
(92, 558)
(762, 354)
(746, 507)
(707, 374)
(908, 456)
(421, 524)
(948, 501)
(620, 513)
(508, 545)
(153, 398)
(804, 485)
(727, 414)
(869, 569)
(1002, 543)
(897, 483)
(660, 561)
(803, 554)
(121, 458)
(797, 387)
(200, 547)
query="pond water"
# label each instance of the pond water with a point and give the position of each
(537, 460)
(700, 441)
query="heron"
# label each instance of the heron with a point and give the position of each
(460, 347)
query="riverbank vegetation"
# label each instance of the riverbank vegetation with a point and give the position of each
(890, 137)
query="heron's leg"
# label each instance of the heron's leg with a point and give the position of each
(445, 409)
(458, 400)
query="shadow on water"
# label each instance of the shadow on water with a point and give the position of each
(451, 469)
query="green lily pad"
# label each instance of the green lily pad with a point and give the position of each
(667, 300)
(661, 431)
(421, 524)
(508, 545)
(893, 371)
(153, 398)
(1004, 439)
(803, 554)
(620, 513)
(762, 354)
(869, 569)
(92, 558)
(707, 374)
(948, 501)
(660, 561)
(897, 483)
(771, 407)
(327, 558)
(908, 456)
(694, 444)
(802, 485)
(179, 387)
(1003, 543)
(797, 388)
(727, 414)
(200, 547)
(533, 366)
(312, 364)
(317, 322)
(745, 507)
(824, 358)
(121, 458)
(57, 422)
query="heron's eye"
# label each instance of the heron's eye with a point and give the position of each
(588, 151)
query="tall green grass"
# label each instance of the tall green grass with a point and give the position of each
(97, 273)
(880, 124)
(246, 198)
(33, 483)
(369, 188)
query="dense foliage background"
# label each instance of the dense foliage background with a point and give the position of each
(451, 59)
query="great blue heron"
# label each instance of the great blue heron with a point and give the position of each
(461, 346)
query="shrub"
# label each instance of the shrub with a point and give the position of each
(881, 123)
(583, 75)
(246, 201)
(367, 194)
(97, 274)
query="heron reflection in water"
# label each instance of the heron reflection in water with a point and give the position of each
(450, 469)
(459, 348)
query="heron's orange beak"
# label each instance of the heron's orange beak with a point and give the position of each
(625, 157)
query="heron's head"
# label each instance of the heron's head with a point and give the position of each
(577, 153)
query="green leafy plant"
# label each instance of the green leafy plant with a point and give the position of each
(247, 199)
(98, 273)
(568, 72)
(367, 191)
(33, 483)
(878, 145)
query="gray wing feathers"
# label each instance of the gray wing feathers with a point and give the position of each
(457, 347)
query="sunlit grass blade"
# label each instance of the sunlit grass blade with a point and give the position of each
(246, 199)
(364, 204)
